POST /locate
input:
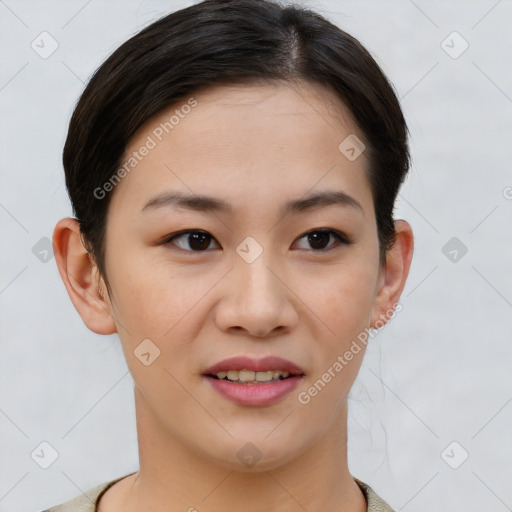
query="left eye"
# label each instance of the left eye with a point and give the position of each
(200, 240)
(318, 238)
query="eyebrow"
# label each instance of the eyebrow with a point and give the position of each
(202, 203)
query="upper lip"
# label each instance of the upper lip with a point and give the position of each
(255, 365)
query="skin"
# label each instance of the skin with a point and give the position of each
(256, 147)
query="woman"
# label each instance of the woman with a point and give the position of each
(233, 169)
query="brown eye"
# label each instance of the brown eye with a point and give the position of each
(197, 241)
(319, 239)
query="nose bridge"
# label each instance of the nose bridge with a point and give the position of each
(256, 284)
(255, 298)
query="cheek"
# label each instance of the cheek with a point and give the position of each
(342, 305)
(344, 299)
(151, 299)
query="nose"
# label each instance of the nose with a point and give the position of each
(257, 300)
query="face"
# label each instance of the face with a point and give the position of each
(195, 283)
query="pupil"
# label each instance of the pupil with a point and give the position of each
(198, 237)
(318, 236)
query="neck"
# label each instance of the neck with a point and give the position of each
(172, 477)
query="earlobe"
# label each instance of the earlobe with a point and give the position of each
(393, 275)
(80, 277)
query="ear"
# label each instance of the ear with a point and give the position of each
(81, 278)
(393, 275)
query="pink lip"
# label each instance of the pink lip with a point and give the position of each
(255, 394)
(255, 365)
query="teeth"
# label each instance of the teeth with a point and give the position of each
(248, 376)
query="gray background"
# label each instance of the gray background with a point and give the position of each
(438, 373)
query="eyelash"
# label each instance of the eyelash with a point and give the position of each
(341, 238)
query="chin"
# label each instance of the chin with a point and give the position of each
(255, 457)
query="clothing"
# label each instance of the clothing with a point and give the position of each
(87, 502)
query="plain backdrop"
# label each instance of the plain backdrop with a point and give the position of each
(430, 413)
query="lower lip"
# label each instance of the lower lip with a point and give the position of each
(255, 394)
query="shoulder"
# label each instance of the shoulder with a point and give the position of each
(85, 502)
(375, 502)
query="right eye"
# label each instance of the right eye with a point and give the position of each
(197, 240)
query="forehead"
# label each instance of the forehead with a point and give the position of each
(315, 108)
(245, 140)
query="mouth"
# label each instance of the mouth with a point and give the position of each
(254, 382)
(249, 377)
